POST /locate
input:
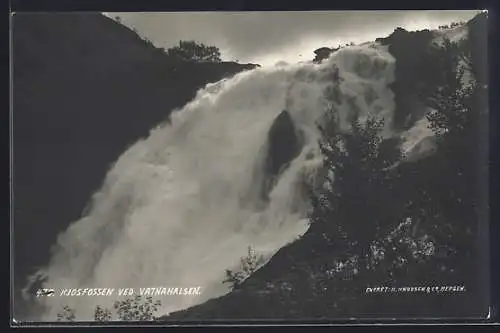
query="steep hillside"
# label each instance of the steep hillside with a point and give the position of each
(443, 192)
(85, 88)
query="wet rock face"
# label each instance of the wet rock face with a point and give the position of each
(284, 144)
(416, 66)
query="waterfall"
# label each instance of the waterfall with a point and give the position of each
(183, 205)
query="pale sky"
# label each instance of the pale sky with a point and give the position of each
(268, 37)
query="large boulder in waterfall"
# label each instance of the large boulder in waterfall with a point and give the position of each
(284, 144)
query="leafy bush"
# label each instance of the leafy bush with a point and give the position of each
(248, 265)
(66, 314)
(102, 314)
(130, 309)
(194, 51)
(133, 309)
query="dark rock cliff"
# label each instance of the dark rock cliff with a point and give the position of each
(415, 67)
(284, 144)
(418, 70)
(84, 88)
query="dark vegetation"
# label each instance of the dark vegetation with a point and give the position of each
(248, 265)
(194, 51)
(452, 25)
(84, 88)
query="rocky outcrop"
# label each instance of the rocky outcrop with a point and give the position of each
(416, 69)
(283, 145)
(322, 54)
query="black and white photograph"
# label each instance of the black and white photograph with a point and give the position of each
(249, 166)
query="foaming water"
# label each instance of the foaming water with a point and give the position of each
(176, 208)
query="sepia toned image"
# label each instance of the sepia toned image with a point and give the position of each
(245, 167)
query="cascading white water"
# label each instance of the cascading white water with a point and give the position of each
(173, 210)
